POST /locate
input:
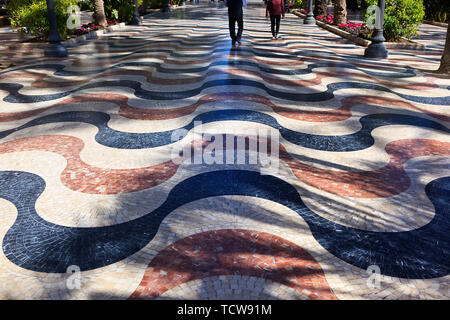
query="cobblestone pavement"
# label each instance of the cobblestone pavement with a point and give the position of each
(432, 36)
(356, 207)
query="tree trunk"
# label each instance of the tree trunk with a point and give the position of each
(320, 8)
(340, 12)
(445, 60)
(99, 13)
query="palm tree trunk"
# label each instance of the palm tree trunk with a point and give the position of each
(445, 60)
(340, 12)
(99, 13)
(320, 8)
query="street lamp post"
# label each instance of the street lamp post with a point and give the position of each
(377, 49)
(309, 16)
(55, 48)
(136, 20)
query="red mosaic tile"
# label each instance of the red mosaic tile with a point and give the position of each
(232, 252)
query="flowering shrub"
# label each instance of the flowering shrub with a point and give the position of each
(86, 28)
(328, 18)
(357, 29)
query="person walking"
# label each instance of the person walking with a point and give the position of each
(236, 14)
(275, 8)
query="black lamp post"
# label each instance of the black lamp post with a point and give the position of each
(136, 20)
(377, 49)
(309, 16)
(166, 7)
(55, 48)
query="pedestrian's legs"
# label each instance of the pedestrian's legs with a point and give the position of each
(277, 19)
(240, 21)
(232, 25)
(272, 25)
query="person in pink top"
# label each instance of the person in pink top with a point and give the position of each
(275, 8)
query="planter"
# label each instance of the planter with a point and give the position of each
(95, 34)
(91, 35)
(344, 34)
(408, 44)
(434, 23)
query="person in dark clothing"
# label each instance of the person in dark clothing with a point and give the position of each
(235, 14)
(275, 8)
(286, 6)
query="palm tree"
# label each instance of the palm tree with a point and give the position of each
(340, 12)
(99, 13)
(320, 8)
(445, 60)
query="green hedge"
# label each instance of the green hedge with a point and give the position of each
(31, 17)
(87, 5)
(297, 4)
(401, 18)
(153, 4)
(120, 9)
(437, 10)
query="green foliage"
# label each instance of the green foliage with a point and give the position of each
(115, 14)
(439, 16)
(156, 4)
(297, 4)
(124, 9)
(30, 16)
(437, 10)
(86, 5)
(401, 18)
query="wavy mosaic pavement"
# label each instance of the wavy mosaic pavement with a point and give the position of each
(80, 176)
(125, 140)
(412, 254)
(363, 180)
(223, 252)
